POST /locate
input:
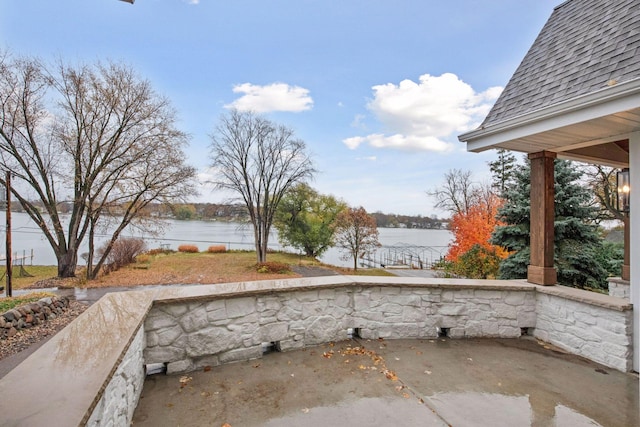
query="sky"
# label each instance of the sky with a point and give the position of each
(378, 90)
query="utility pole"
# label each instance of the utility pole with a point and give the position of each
(8, 235)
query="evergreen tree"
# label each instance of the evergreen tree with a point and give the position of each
(503, 171)
(577, 241)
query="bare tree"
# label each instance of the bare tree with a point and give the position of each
(356, 232)
(258, 160)
(458, 192)
(97, 136)
(602, 181)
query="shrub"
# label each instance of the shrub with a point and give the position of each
(215, 249)
(143, 258)
(191, 249)
(273, 267)
(123, 252)
(477, 263)
(159, 251)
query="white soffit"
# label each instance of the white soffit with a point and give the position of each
(608, 115)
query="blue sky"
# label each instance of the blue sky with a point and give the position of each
(379, 90)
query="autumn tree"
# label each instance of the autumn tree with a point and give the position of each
(258, 161)
(96, 136)
(356, 233)
(475, 228)
(305, 219)
(471, 254)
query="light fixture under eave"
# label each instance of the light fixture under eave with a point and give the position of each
(624, 191)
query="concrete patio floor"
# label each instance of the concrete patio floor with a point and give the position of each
(471, 382)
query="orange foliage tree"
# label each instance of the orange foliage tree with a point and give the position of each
(474, 227)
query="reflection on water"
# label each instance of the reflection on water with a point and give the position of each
(493, 409)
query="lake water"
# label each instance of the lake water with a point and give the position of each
(397, 242)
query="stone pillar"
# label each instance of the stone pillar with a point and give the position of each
(634, 247)
(541, 271)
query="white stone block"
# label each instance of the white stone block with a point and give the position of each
(238, 307)
(180, 366)
(211, 341)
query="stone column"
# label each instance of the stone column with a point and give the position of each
(541, 271)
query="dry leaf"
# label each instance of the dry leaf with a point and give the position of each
(226, 425)
(406, 395)
(207, 368)
(305, 410)
(184, 380)
(428, 372)
(390, 375)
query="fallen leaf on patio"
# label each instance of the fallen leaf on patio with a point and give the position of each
(406, 395)
(399, 387)
(397, 358)
(469, 359)
(418, 353)
(428, 372)
(257, 365)
(226, 425)
(305, 410)
(362, 367)
(169, 405)
(420, 400)
(205, 394)
(390, 375)
(184, 380)
(207, 368)
(292, 375)
(347, 361)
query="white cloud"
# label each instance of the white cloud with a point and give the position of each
(368, 158)
(425, 115)
(273, 97)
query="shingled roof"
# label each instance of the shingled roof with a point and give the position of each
(585, 46)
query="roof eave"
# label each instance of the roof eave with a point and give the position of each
(606, 101)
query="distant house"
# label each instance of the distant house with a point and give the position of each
(576, 95)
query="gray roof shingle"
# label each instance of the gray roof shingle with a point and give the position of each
(585, 46)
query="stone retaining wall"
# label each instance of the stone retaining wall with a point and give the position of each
(120, 397)
(620, 288)
(92, 371)
(31, 314)
(598, 333)
(190, 335)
